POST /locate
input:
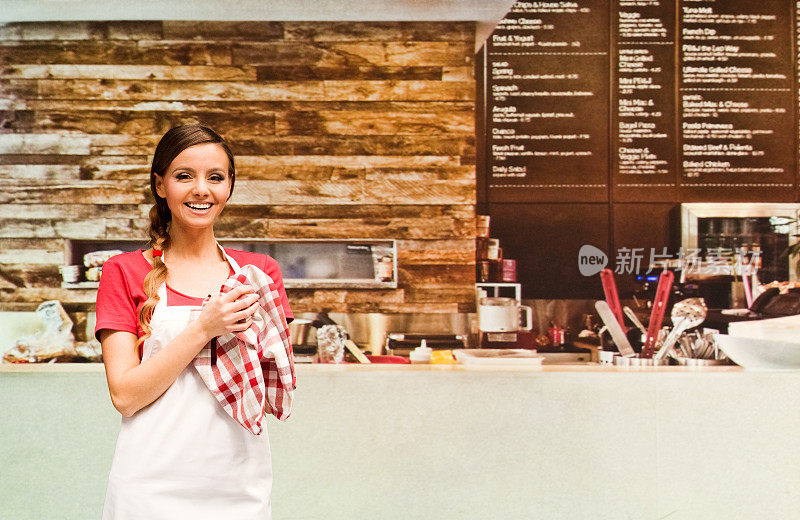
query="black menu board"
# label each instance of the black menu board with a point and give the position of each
(643, 106)
(643, 101)
(547, 103)
(736, 100)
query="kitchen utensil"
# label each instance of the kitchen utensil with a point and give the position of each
(614, 328)
(748, 294)
(638, 361)
(612, 297)
(503, 315)
(632, 316)
(353, 348)
(685, 315)
(322, 319)
(693, 362)
(685, 344)
(657, 313)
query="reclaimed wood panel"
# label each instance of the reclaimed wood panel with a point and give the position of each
(440, 276)
(287, 72)
(40, 171)
(73, 211)
(406, 228)
(79, 192)
(29, 250)
(347, 122)
(52, 31)
(43, 144)
(304, 122)
(354, 54)
(379, 31)
(352, 192)
(352, 161)
(213, 31)
(341, 130)
(447, 250)
(28, 298)
(30, 275)
(169, 90)
(242, 107)
(76, 30)
(133, 72)
(362, 211)
(53, 228)
(118, 52)
(143, 145)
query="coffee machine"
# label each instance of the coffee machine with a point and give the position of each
(503, 322)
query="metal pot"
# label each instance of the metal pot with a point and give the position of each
(299, 330)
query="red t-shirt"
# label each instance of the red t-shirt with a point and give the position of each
(121, 292)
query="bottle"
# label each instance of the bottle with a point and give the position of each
(421, 354)
(385, 269)
(493, 249)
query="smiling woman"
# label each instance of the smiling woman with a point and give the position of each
(182, 452)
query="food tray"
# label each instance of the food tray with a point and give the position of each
(509, 356)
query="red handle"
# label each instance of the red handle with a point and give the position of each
(657, 314)
(612, 298)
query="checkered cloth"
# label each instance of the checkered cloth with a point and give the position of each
(252, 372)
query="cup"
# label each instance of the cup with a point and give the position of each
(70, 273)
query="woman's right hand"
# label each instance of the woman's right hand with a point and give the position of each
(229, 312)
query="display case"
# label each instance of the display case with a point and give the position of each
(353, 263)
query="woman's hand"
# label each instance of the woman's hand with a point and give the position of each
(229, 312)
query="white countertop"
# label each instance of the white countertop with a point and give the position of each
(353, 367)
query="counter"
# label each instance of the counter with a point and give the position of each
(388, 441)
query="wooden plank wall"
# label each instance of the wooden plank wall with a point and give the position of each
(342, 130)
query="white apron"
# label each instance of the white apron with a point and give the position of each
(182, 456)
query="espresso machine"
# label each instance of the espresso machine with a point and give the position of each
(503, 322)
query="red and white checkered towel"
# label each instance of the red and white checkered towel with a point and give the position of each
(233, 371)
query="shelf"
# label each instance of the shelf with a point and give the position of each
(80, 285)
(343, 264)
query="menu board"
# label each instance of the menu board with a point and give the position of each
(644, 132)
(736, 100)
(643, 101)
(547, 103)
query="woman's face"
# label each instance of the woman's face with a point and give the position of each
(196, 185)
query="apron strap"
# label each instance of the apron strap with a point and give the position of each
(234, 264)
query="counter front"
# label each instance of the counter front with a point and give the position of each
(387, 441)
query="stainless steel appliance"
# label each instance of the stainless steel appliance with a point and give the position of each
(505, 323)
(762, 230)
